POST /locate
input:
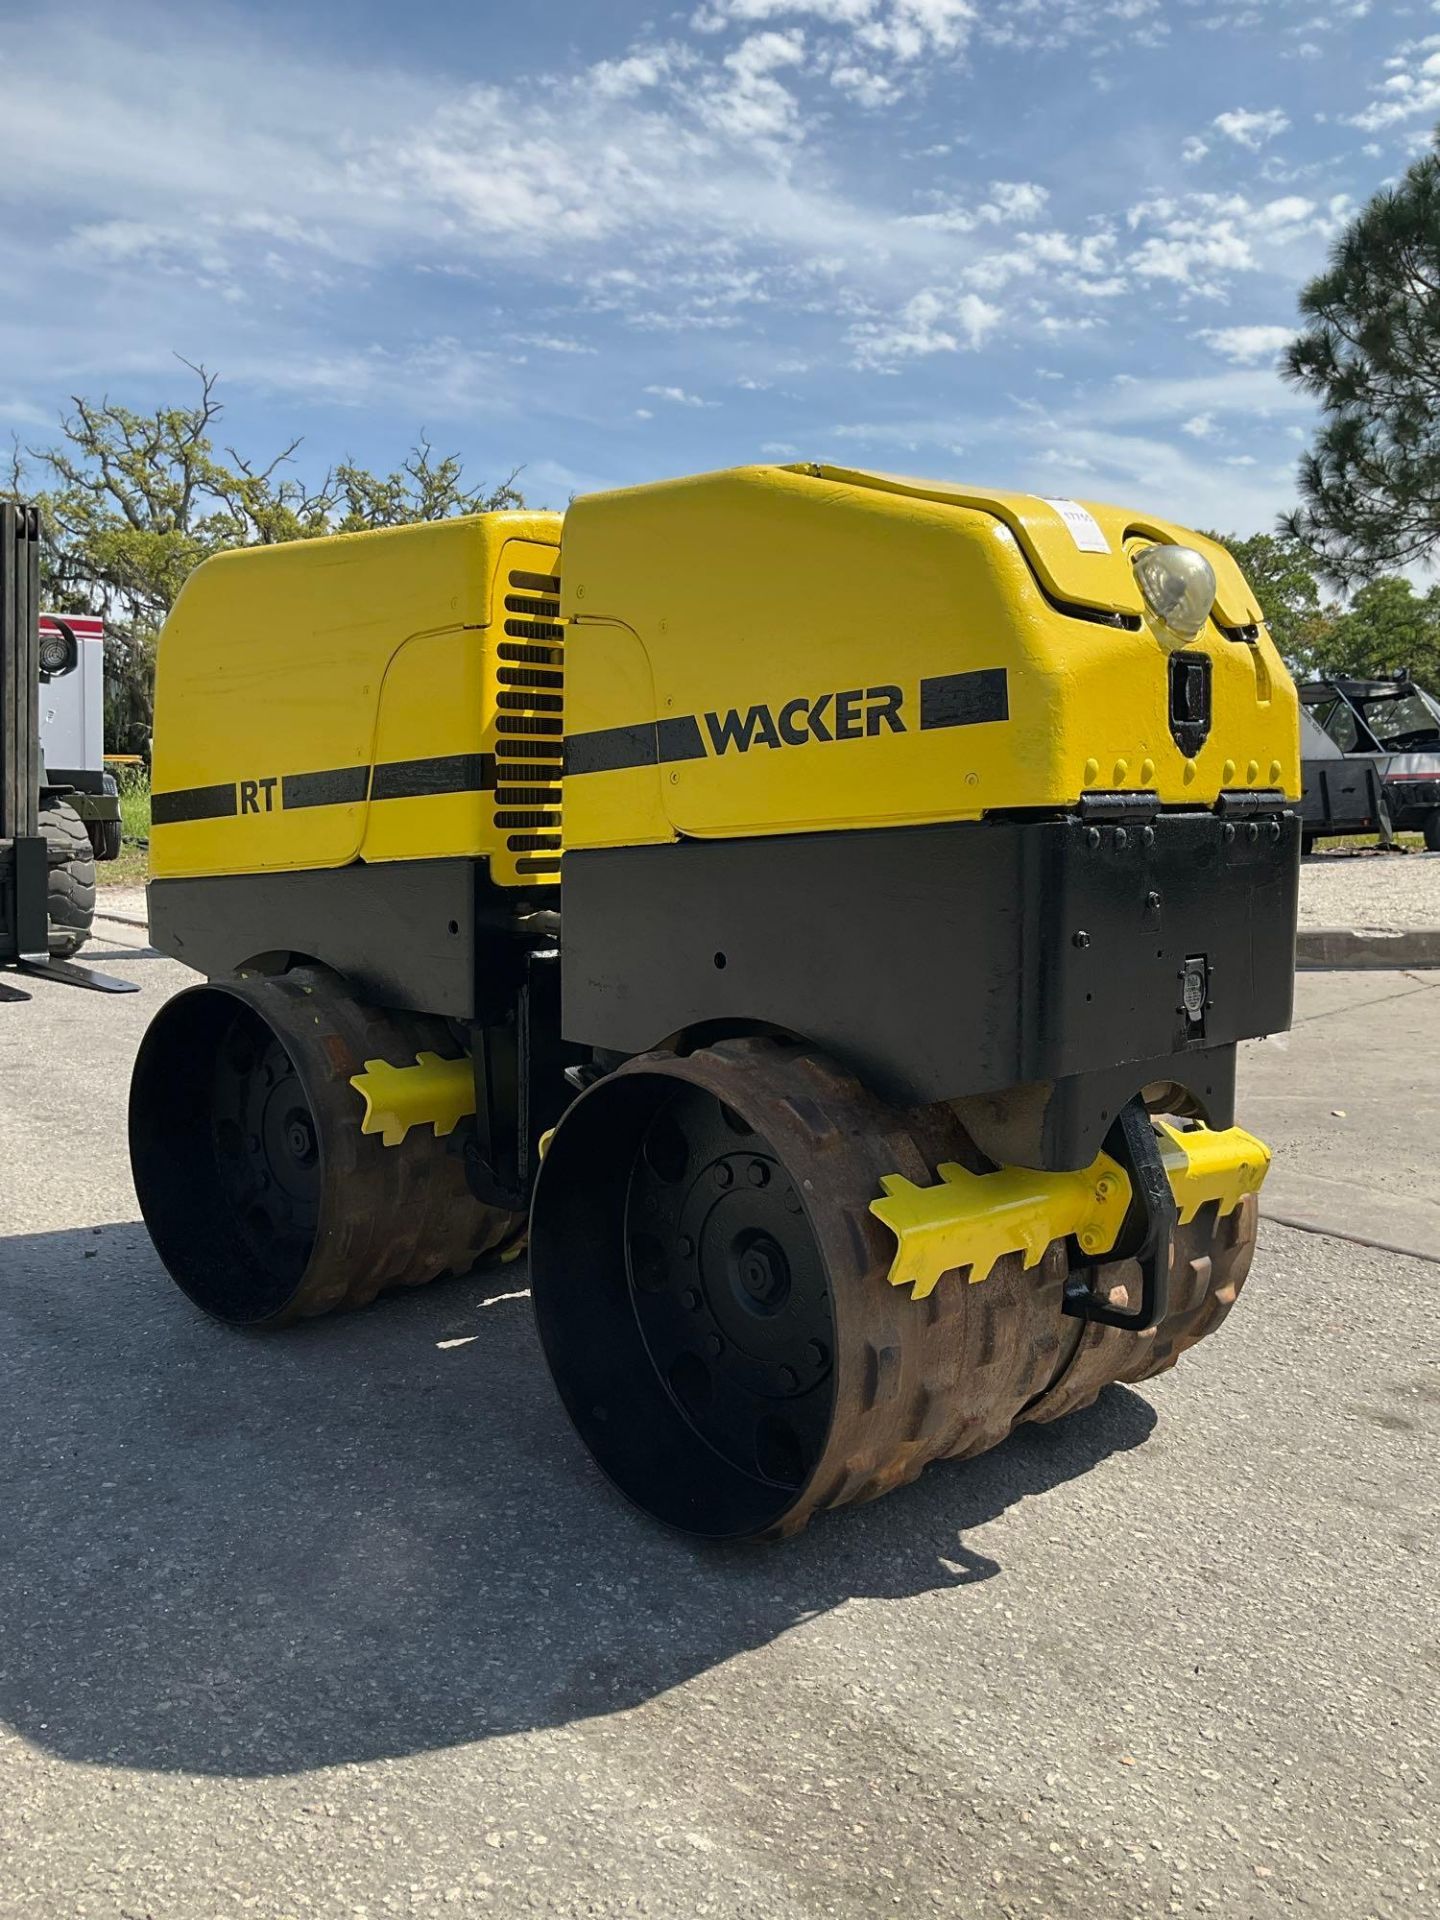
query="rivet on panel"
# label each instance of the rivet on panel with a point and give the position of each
(1227, 773)
(1122, 768)
(1252, 772)
(1274, 773)
(1189, 771)
(1147, 773)
(1091, 773)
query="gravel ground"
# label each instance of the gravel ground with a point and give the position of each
(1391, 892)
(344, 1624)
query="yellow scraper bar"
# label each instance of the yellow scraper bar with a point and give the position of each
(1201, 1165)
(974, 1219)
(434, 1092)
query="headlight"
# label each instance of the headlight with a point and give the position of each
(1177, 584)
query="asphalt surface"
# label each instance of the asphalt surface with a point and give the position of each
(344, 1623)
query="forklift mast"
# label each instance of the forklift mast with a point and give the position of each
(25, 853)
(22, 850)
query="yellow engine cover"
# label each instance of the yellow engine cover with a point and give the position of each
(379, 696)
(773, 650)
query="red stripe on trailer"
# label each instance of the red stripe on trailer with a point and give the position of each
(85, 625)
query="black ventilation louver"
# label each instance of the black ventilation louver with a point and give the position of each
(530, 722)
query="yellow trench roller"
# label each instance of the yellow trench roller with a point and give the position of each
(762, 891)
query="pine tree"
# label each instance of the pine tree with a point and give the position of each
(1371, 355)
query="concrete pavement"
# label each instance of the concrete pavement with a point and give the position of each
(344, 1623)
(1349, 1099)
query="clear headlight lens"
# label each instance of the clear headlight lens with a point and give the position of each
(1177, 584)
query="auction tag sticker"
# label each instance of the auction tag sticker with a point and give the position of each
(1085, 529)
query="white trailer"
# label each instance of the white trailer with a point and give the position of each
(72, 725)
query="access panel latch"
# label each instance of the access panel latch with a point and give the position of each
(1190, 701)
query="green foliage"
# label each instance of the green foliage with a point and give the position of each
(133, 502)
(1370, 354)
(1386, 624)
(134, 785)
(1283, 574)
(132, 869)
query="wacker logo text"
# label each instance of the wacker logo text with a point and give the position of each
(855, 714)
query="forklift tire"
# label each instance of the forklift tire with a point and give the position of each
(1432, 832)
(70, 905)
(104, 838)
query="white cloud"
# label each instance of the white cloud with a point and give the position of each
(933, 321)
(20, 413)
(1246, 346)
(553, 343)
(911, 29)
(687, 207)
(870, 88)
(1136, 468)
(1413, 90)
(1082, 264)
(1199, 241)
(1193, 150)
(714, 17)
(645, 67)
(1200, 426)
(859, 32)
(678, 397)
(755, 106)
(1064, 329)
(1238, 395)
(1011, 202)
(1018, 200)
(1249, 129)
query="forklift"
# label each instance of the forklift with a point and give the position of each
(47, 871)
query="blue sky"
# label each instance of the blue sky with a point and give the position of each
(1050, 244)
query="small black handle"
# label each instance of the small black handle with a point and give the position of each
(1148, 1231)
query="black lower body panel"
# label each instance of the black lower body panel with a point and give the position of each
(404, 931)
(946, 961)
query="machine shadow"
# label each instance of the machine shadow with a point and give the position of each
(376, 1535)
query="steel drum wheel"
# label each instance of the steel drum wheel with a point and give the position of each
(265, 1201)
(712, 1294)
